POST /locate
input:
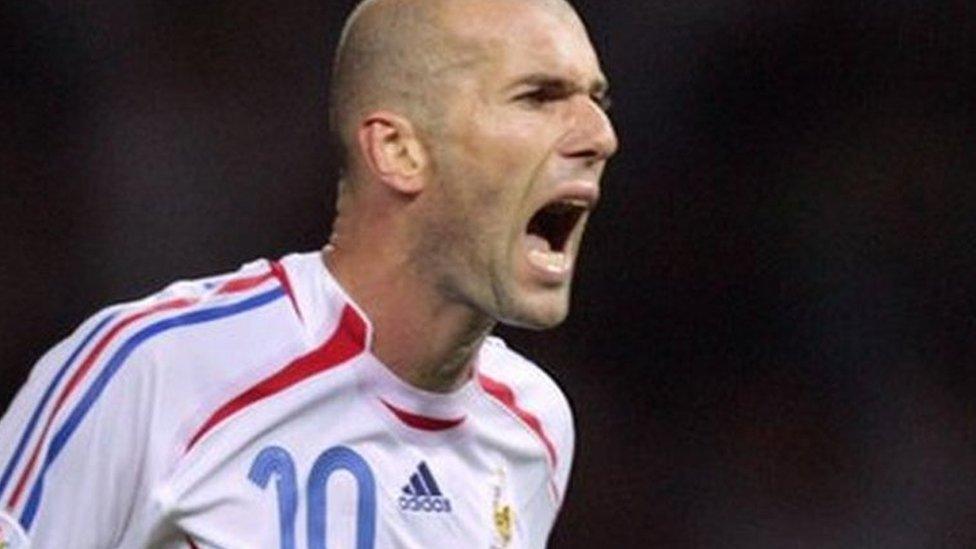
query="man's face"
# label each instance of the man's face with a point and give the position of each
(516, 161)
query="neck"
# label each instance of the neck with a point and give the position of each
(426, 339)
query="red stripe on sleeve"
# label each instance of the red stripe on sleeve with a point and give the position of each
(348, 340)
(76, 380)
(504, 394)
(232, 286)
(242, 284)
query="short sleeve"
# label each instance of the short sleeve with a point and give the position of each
(70, 444)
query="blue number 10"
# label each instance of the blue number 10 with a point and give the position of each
(274, 460)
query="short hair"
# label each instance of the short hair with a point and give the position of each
(388, 53)
(396, 54)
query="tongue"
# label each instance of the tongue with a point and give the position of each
(535, 242)
(541, 254)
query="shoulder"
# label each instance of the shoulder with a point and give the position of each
(104, 333)
(142, 374)
(191, 314)
(531, 383)
(200, 339)
(192, 339)
(531, 395)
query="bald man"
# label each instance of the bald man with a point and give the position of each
(351, 397)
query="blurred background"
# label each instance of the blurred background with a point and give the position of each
(773, 327)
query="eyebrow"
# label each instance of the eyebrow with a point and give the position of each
(598, 86)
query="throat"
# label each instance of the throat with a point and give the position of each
(425, 339)
(424, 364)
(434, 353)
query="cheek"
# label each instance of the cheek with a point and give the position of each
(505, 145)
(520, 152)
(469, 206)
(490, 163)
(483, 186)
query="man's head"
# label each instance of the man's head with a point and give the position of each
(477, 126)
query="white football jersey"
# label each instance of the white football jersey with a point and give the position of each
(247, 411)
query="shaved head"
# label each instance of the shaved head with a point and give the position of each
(387, 56)
(401, 56)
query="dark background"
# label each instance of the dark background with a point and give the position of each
(773, 326)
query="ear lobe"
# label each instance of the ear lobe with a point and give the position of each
(393, 152)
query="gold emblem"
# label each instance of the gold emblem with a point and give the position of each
(502, 515)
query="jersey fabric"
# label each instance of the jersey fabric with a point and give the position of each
(247, 411)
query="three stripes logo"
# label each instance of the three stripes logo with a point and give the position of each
(422, 494)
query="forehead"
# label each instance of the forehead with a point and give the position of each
(512, 37)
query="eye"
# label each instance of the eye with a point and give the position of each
(603, 101)
(539, 97)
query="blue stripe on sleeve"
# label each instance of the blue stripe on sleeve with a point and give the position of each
(121, 355)
(32, 423)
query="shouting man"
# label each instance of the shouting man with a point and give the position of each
(352, 397)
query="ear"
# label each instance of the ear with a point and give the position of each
(393, 151)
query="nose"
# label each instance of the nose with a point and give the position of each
(591, 136)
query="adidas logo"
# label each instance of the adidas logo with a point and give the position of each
(422, 494)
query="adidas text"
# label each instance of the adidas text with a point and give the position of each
(426, 504)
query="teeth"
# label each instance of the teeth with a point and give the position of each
(554, 262)
(569, 204)
(541, 256)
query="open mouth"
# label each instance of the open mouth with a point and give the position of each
(548, 234)
(555, 222)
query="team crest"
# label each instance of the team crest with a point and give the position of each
(503, 517)
(12, 536)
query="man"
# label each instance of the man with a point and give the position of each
(361, 380)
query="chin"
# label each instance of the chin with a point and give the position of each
(537, 313)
